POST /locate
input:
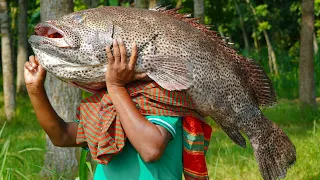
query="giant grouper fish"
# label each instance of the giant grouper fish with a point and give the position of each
(179, 54)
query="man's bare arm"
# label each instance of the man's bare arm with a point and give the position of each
(147, 138)
(61, 133)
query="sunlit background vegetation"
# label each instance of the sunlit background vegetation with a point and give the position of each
(22, 141)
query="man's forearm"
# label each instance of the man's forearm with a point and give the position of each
(60, 132)
(148, 139)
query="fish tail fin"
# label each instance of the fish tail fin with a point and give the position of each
(273, 150)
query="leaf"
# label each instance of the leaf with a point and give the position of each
(4, 151)
(46, 169)
(90, 168)
(262, 10)
(8, 174)
(113, 3)
(2, 128)
(30, 149)
(5, 148)
(22, 175)
(83, 168)
(264, 26)
(16, 156)
(35, 17)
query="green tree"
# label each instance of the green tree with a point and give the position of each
(264, 26)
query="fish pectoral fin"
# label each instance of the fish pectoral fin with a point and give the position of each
(235, 135)
(171, 73)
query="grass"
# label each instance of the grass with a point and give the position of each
(27, 140)
(226, 161)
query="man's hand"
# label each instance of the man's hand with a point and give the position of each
(119, 71)
(148, 139)
(34, 75)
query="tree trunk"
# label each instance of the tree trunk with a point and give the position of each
(64, 99)
(179, 4)
(152, 4)
(306, 64)
(255, 40)
(272, 56)
(22, 45)
(91, 3)
(198, 7)
(7, 66)
(94, 3)
(141, 4)
(243, 29)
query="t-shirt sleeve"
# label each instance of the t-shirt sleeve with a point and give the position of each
(170, 123)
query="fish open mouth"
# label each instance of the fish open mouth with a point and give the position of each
(47, 33)
(48, 30)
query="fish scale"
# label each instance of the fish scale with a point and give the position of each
(178, 54)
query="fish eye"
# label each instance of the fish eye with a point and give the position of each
(79, 18)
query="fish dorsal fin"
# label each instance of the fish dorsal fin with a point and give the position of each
(193, 22)
(259, 82)
(256, 76)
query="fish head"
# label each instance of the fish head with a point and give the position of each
(73, 48)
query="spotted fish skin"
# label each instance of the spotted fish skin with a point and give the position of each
(178, 54)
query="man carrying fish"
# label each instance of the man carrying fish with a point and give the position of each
(154, 131)
(193, 71)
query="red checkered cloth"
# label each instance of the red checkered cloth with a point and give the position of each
(101, 129)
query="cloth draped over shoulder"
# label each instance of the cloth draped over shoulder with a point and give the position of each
(101, 129)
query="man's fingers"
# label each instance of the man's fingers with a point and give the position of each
(141, 76)
(134, 56)
(28, 66)
(116, 51)
(33, 62)
(109, 55)
(123, 52)
(36, 60)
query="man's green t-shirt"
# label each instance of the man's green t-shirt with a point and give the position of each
(128, 165)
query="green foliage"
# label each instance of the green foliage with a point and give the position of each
(79, 5)
(264, 26)
(262, 10)
(115, 3)
(317, 14)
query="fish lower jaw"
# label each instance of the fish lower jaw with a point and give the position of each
(90, 87)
